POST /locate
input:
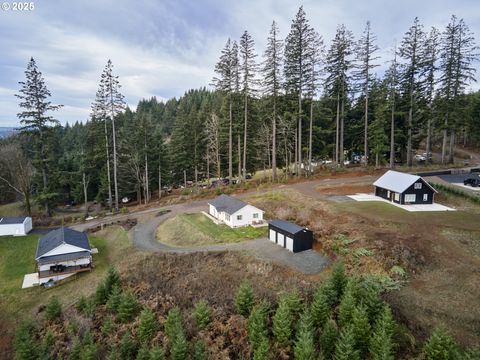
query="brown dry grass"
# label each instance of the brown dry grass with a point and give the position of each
(345, 189)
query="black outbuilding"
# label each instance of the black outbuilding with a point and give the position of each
(290, 236)
(402, 188)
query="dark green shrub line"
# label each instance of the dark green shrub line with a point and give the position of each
(452, 190)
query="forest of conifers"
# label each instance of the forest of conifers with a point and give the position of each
(299, 101)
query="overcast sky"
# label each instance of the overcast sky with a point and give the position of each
(164, 47)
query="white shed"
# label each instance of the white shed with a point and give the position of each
(234, 212)
(16, 226)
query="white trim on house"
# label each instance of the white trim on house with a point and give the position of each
(63, 249)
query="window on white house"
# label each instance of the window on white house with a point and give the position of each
(410, 198)
(425, 197)
(255, 216)
(227, 217)
(417, 186)
(239, 217)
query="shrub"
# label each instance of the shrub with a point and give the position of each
(53, 310)
(25, 345)
(201, 315)
(128, 306)
(439, 346)
(244, 299)
(148, 326)
(304, 343)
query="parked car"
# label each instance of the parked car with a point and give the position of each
(420, 158)
(472, 181)
(126, 200)
(49, 284)
(427, 156)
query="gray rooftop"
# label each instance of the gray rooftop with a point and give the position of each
(227, 204)
(286, 226)
(57, 237)
(398, 181)
(12, 220)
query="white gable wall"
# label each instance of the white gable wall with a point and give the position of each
(15, 229)
(64, 249)
(246, 213)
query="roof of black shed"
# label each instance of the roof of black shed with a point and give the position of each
(286, 226)
(57, 237)
(227, 204)
(12, 220)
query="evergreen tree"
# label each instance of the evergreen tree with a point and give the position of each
(114, 104)
(297, 74)
(328, 338)
(53, 309)
(337, 82)
(346, 308)
(304, 342)
(127, 348)
(257, 325)
(101, 293)
(338, 278)
(112, 280)
(107, 326)
(244, 299)
(199, 352)
(201, 315)
(361, 329)
(225, 83)
(157, 353)
(366, 48)
(36, 124)
(282, 325)
(174, 323)
(413, 52)
(272, 79)
(114, 298)
(345, 346)
(262, 352)
(249, 69)
(320, 308)
(143, 353)
(439, 346)
(148, 326)
(25, 345)
(128, 306)
(48, 344)
(179, 348)
(76, 350)
(457, 52)
(89, 348)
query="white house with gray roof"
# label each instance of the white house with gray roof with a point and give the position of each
(16, 226)
(234, 212)
(61, 253)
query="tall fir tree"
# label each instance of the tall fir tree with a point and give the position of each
(37, 124)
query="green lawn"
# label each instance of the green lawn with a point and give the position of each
(17, 258)
(198, 229)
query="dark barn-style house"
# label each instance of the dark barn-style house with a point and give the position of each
(290, 236)
(402, 188)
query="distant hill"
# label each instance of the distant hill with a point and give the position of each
(6, 131)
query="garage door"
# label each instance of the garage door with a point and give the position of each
(281, 240)
(272, 235)
(289, 243)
